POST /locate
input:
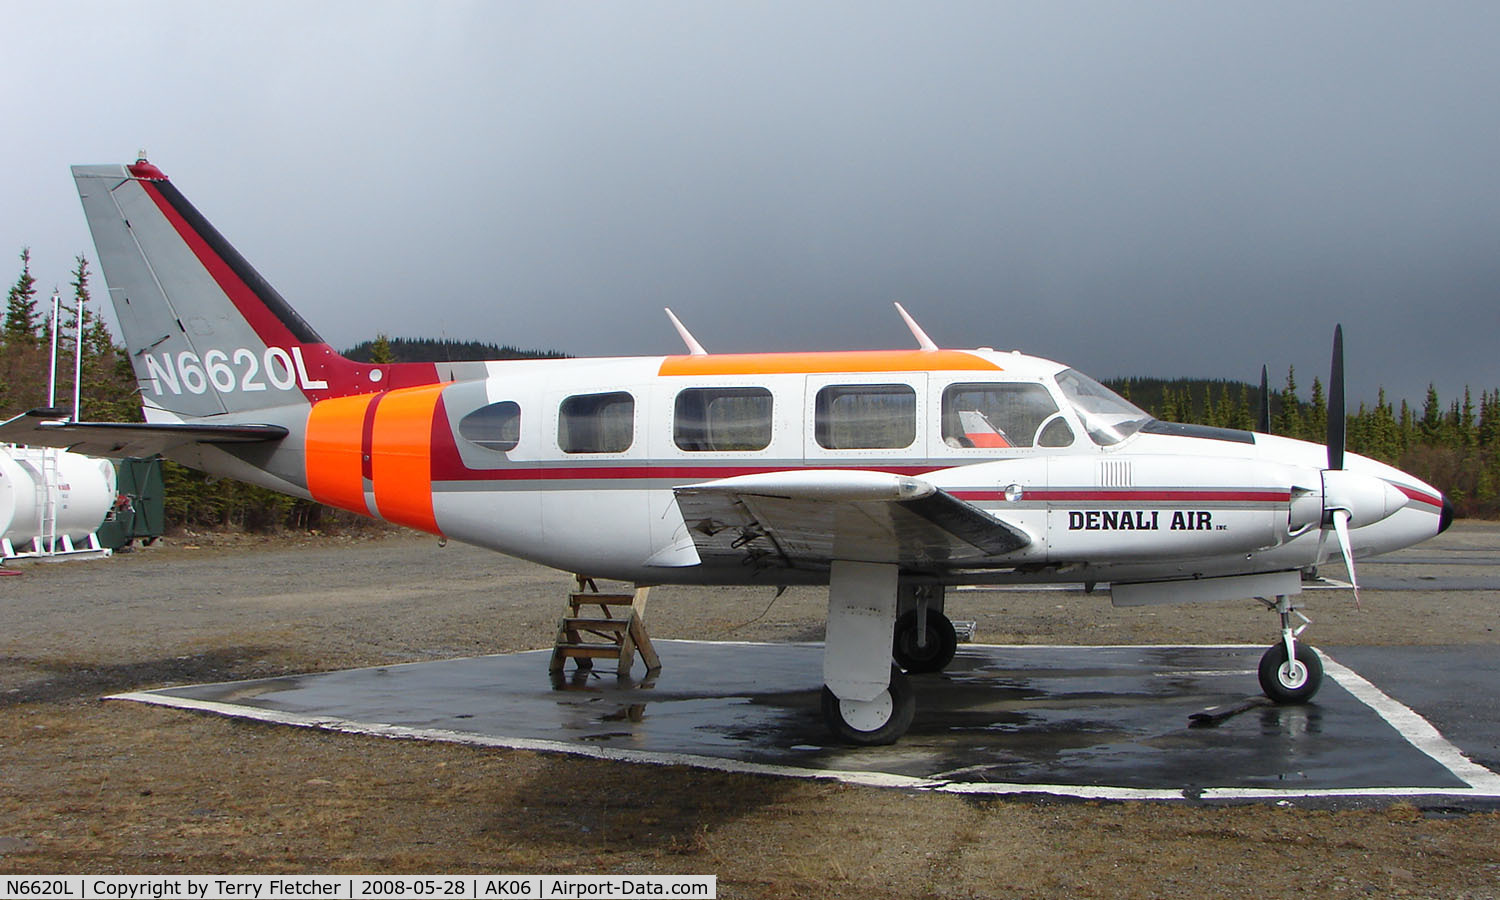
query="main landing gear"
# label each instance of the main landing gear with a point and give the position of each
(872, 722)
(925, 641)
(866, 699)
(1290, 671)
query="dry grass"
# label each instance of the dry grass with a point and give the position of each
(103, 787)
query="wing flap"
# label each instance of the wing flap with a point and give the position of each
(808, 518)
(43, 428)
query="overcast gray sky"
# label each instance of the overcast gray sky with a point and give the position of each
(1132, 188)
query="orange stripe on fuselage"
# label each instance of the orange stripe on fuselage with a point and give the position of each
(335, 452)
(395, 449)
(818, 363)
(401, 456)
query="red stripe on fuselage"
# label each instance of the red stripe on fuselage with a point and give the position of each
(443, 470)
(1143, 495)
(448, 467)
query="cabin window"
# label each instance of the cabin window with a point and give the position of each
(493, 427)
(865, 416)
(722, 419)
(596, 423)
(998, 416)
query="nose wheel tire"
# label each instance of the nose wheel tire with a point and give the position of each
(872, 722)
(1290, 681)
(941, 643)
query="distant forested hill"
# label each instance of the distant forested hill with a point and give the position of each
(433, 350)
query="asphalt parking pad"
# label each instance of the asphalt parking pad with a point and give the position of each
(1106, 722)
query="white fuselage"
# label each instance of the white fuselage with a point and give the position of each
(1145, 507)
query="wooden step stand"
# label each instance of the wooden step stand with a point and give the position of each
(617, 632)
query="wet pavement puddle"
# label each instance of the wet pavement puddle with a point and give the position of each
(1093, 722)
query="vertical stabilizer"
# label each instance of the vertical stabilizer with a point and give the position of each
(206, 334)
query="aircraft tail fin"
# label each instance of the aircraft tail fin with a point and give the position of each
(206, 334)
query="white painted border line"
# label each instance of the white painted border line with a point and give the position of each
(870, 779)
(1483, 784)
(1410, 725)
(348, 726)
(867, 779)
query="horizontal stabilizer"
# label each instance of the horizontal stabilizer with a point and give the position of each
(811, 517)
(45, 428)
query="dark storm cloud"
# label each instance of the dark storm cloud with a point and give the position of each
(1133, 188)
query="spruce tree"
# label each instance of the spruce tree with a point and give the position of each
(1384, 437)
(1316, 427)
(1489, 419)
(1468, 432)
(1288, 422)
(1430, 427)
(380, 350)
(20, 306)
(1243, 419)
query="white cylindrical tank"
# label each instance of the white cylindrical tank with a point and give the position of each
(85, 492)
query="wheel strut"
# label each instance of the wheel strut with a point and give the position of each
(1290, 672)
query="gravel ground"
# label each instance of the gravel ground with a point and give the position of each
(94, 787)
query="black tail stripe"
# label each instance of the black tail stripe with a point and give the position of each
(239, 265)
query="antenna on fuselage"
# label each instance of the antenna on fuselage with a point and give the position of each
(916, 330)
(694, 348)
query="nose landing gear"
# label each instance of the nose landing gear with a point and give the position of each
(1290, 671)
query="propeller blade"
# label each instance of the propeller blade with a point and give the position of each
(1341, 528)
(1265, 401)
(1336, 410)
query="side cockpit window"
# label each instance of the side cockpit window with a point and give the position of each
(596, 423)
(493, 427)
(866, 416)
(719, 419)
(1106, 416)
(998, 416)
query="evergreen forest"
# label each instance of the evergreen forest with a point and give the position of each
(1453, 444)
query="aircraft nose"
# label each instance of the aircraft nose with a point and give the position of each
(1447, 517)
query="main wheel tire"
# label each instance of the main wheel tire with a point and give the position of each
(871, 723)
(1291, 683)
(942, 643)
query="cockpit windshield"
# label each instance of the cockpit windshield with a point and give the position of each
(1106, 416)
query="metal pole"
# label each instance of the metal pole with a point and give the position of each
(52, 372)
(78, 361)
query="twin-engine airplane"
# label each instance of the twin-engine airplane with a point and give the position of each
(887, 475)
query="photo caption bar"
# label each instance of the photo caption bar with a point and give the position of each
(361, 887)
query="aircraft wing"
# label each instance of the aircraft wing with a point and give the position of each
(808, 518)
(43, 428)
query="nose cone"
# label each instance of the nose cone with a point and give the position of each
(1446, 518)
